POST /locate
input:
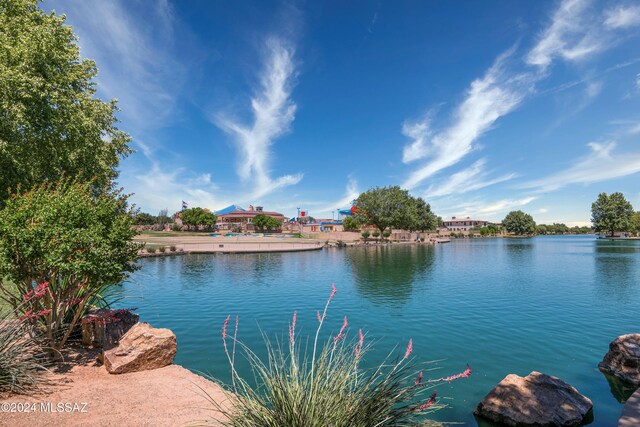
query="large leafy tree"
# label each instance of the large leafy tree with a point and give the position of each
(519, 223)
(384, 207)
(266, 222)
(393, 207)
(196, 217)
(66, 236)
(611, 213)
(51, 123)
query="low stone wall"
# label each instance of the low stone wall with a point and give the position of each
(345, 236)
(250, 247)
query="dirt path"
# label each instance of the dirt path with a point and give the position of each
(170, 396)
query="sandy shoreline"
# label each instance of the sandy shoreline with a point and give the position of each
(169, 396)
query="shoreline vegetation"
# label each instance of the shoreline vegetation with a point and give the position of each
(69, 238)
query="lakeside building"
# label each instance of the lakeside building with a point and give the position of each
(236, 218)
(463, 224)
(322, 225)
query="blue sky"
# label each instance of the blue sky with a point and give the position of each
(479, 107)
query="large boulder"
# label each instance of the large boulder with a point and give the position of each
(142, 348)
(103, 328)
(623, 359)
(537, 400)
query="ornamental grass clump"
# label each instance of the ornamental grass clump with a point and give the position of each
(21, 357)
(323, 384)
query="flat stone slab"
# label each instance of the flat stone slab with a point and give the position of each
(623, 359)
(537, 400)
(631, 412)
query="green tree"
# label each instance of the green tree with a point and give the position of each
(365, 235)
(420, 216)
(266, 222)
(542, 229)
(198, 217)
(78, 242)
(611, 213)
(635, 223)
(383, 207)
(51, 123)
(350, 224)
(144, 218)
(519, 223)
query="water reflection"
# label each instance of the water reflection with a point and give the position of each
(387, 274)
(619, 389)
(616, 268)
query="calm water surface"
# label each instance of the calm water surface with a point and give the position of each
(550, 304)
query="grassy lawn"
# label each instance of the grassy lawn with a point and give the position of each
(150, 233)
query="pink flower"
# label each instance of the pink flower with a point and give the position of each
(426, 405)
(465, 374)
(337, 338)
(28, 295)
(320, 318)
(224, 327)
(41, 289)
(292, 328)
(344, 325)
(409, 349)
(27, 315)
(333, 291)
(43, 312)
(419, 378)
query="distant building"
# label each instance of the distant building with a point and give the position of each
(236, 218)
(463, 224)
(322, 225)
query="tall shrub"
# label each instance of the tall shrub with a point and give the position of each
(64, 247)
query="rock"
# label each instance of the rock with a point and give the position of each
(535, 400)
(623, 359)
(142, 348)
(103, 328)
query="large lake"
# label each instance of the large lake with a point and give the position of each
(550, 304)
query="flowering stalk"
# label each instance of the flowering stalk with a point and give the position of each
(321, 321)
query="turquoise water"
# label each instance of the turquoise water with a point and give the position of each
(550, 304)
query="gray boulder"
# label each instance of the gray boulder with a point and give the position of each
(142, 348)
(623, 359)
(537, 400)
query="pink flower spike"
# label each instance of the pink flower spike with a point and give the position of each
(344, 325)
(43, 312)
(419, 378)
(224, 327)
(409, 349)
(361, 336)
(430, 402)
(292, 328)
(333, 291)
(320, 318)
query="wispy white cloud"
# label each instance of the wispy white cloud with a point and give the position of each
(622, 17)
(472, 178)
(570, 35)
(273, 113)
(135, 57)
(601, 164)
(158, 188)
(495, 94)
(489, 210)
(350, 194)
